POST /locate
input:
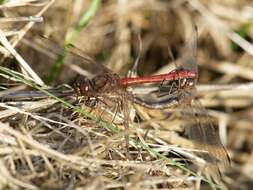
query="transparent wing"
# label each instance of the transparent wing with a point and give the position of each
(205, 136)
(87, 62)
(188, 59)
(71, 54)
(34, 95)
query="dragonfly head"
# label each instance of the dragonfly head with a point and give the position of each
(188, 82)
(83, 86)
(190, 79)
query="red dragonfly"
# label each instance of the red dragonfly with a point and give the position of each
(199, 127)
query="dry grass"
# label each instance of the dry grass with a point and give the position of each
(59, 144)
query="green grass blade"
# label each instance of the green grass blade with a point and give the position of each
(71, 37)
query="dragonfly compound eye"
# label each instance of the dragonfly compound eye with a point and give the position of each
(85, 89)
(190, 82)
(82, 86)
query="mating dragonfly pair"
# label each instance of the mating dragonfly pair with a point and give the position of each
(177, 86)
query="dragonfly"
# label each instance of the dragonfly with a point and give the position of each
(175, 88)
(199, 126)
(92, 88)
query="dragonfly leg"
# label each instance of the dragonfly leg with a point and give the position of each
(91, 102)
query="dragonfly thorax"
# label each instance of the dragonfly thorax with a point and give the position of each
(103, 83)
